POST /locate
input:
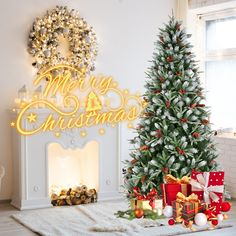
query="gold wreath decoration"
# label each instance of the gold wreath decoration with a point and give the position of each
(61, 22)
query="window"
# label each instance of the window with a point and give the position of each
(219, 64)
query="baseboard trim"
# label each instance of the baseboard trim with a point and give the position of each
(5, 201)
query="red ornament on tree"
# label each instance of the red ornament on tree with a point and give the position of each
(184, 120)
(161, 79)
(157, 91)
(201, 105)
(165, 170)
(138, 213)
(182, 91)
(205, 122)
(180, 151)
(171, 221)
(177, 26)
(196, 135)
(225, 206)
(193, 105)
(133, 161)
(144, 148)
(143, 179)
(167, 104)
(158, 133)
(140, 127)
(169, 59)
(161, 39)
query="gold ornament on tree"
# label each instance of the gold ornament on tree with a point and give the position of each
(61, 26)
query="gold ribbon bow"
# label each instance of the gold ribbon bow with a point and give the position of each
(170, 179)
(181, 198)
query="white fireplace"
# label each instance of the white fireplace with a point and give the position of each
(34, 156)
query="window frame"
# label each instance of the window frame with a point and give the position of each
(214, 55)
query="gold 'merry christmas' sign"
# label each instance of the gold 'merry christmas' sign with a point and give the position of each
(75, 113)
(85, 101)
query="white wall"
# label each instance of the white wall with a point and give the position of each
(226, 147)
(126, 31)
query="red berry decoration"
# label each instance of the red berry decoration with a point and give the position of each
(171, 221)
(167, 104)
(138, 213)
(169, 59)
(196, 135)
(225, 206)
(214, 222)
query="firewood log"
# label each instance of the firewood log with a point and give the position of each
(68, 201)
(68, 192)
(61, 202)
(83, 197)
(84, 188)
(76, 201)
(63, 192)
(87, 200)
(78, 189)
(54, 197)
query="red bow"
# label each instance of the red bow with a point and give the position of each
(150, 196)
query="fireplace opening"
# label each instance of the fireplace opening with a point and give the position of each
(73, 174)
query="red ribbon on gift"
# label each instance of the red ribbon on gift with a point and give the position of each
(151, 196)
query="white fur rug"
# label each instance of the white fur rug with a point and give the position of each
(92, 219)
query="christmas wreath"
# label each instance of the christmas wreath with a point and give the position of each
(61, 22)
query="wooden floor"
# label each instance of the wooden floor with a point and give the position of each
(9, 227)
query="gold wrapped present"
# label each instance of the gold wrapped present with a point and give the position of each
(144, 204)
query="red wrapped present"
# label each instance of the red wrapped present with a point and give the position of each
(172, 186)
(209, 186)
(185, 208)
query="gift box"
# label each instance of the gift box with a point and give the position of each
(149, 201)
(185, 208)
(140, 204)
(145, 205)
(209, 186)
(172, 187)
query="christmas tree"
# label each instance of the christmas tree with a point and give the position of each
(173, 134)
(93, 103)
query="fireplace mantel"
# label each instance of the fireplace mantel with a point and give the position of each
(30, 163)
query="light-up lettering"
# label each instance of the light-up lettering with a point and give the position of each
(72, 114)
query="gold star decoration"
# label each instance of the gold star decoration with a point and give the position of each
(144, 104)
(83, 133)
(32, 117)
(130, 125)
(126, 91)
(102, 131)
(12, 124)
(115, 84)
(57, 134)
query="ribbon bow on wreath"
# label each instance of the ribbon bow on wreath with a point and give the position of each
(209, 192)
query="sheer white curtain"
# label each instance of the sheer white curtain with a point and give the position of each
(220, 71)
